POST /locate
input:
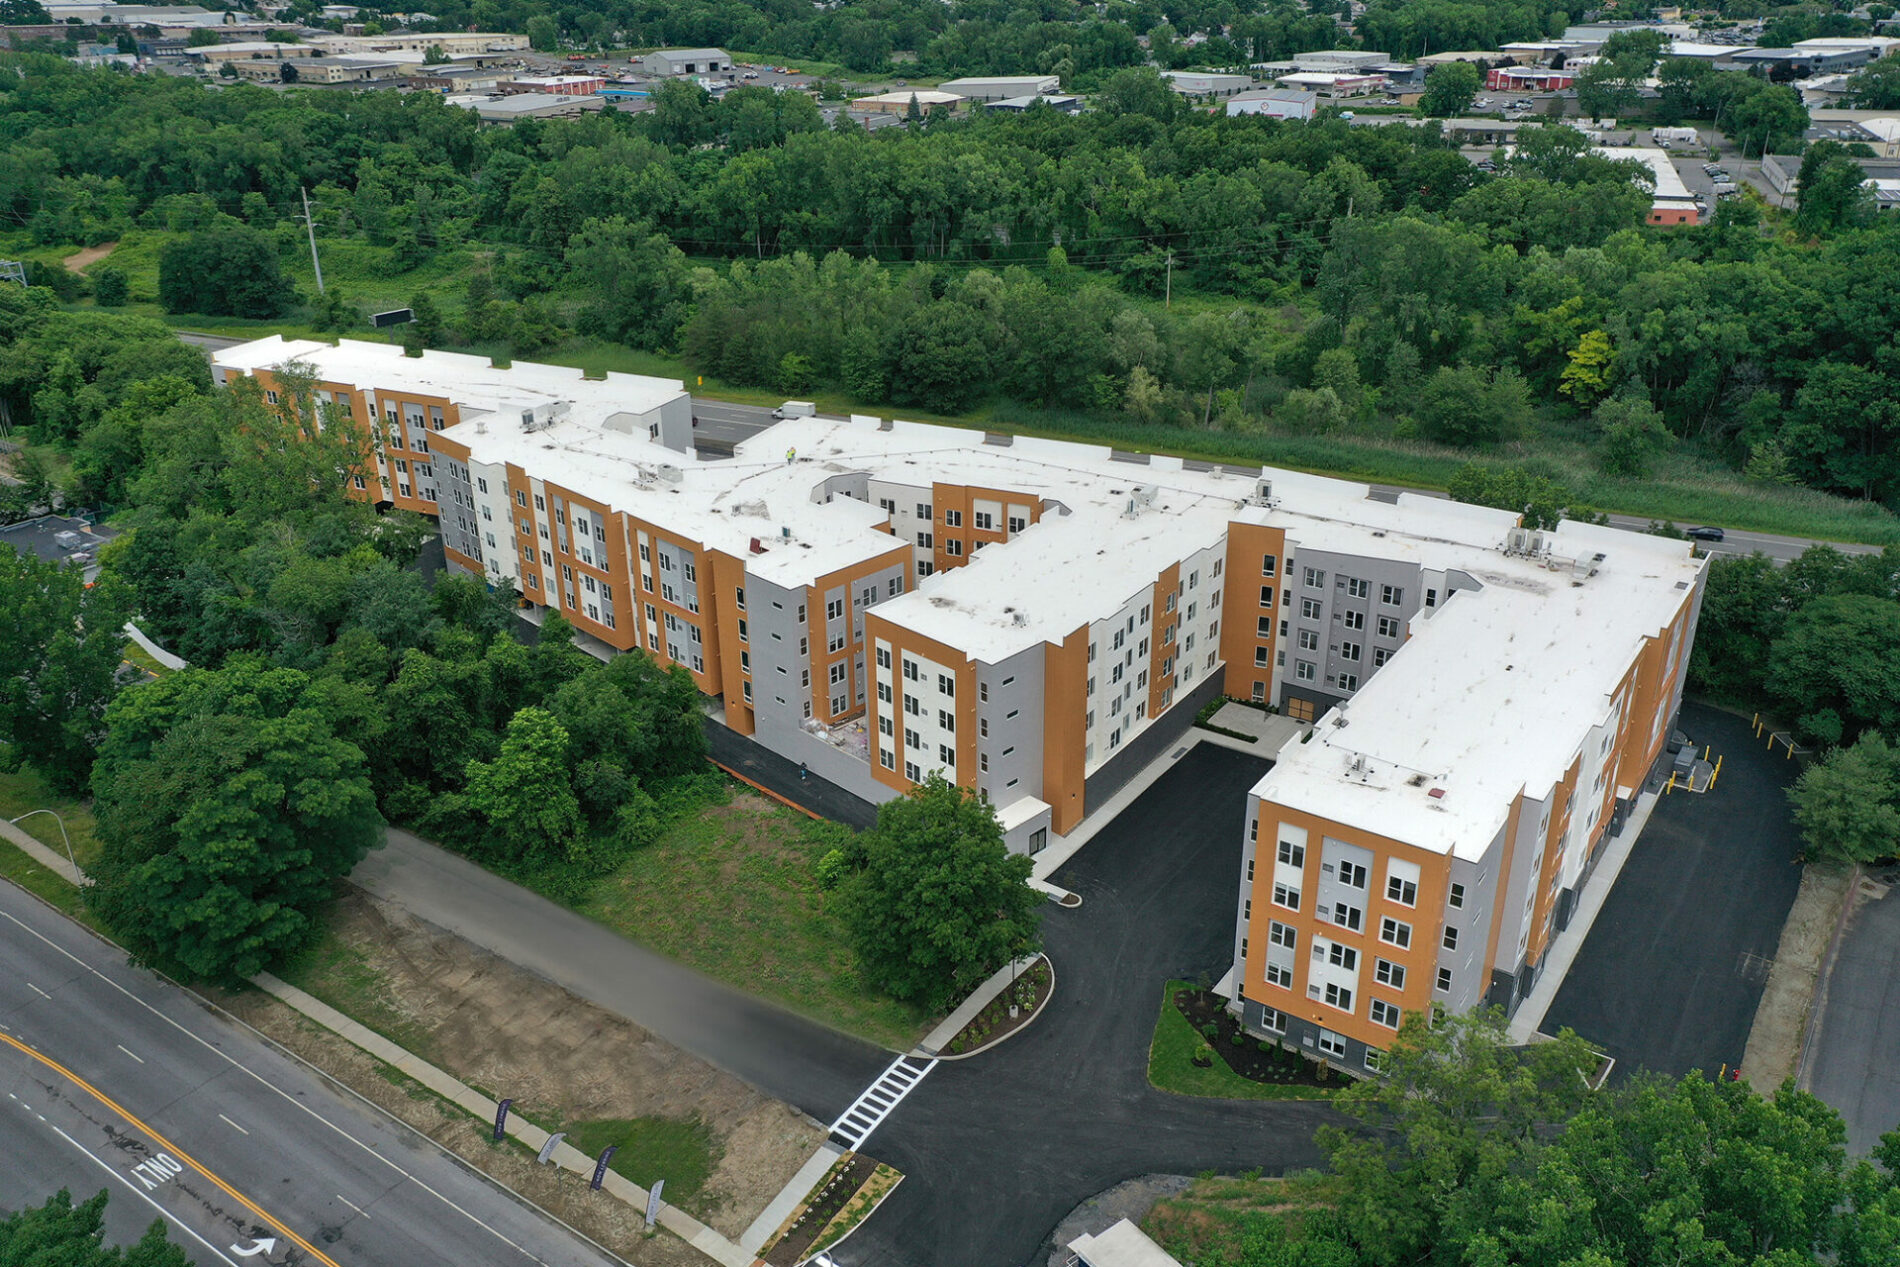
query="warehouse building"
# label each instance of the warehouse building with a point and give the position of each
(1001, 87)
(665, 62)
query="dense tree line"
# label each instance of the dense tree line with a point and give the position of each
(1474, 1152)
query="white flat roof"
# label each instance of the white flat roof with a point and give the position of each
(1669, 184)
(1490, 696)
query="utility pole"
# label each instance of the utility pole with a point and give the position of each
(310, 227)
(1168, 301)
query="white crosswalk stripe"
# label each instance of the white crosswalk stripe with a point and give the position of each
(869, 1110)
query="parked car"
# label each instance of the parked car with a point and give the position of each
(1704, 534)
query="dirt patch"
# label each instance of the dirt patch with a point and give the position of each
(560, 1058)
(78, 260)
(1787, 1001)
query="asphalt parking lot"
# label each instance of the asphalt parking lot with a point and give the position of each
(1670, 975)
(1001, 1147)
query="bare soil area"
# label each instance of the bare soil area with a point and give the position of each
(562, 1060)
(77, 261)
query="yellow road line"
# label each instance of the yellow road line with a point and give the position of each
(169, 1147)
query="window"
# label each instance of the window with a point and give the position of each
(1332, 1044)
(1269, 565)
(1379, 656)
(886, 758)
(1309, 640)
(1391, 595)
(895, 587)
(1451, 938)
(984, 521)
(1283, 935)
(885, 726)
(1309, 609)
(947, 754)
(910, 670)
(953, 519)
(1404, 892)
(837, 673)
(1016, 524)
(1348, 916)
(1266, 595)
(1456, 898)
(1444, 980)
(1280, 976)
(911, 705)
(539, 503)
(1338, 996)
(1259, 657)
(1431, 598)
(883, 657)
(1304, 670)
(1350, 652)
(1395, 933)
(946, 721)
(912, 739)
(953, 548)
(1291, 854)
(946, 685)
(1352, 875)
(912, 773)
(884, 692)
(1388, 973)
(1388, 627)
(1357, 588)
(742, 626)
(1342, 956)
(1287, 897)
(1385, 1014)
(1315, 579)
(1272, 1020)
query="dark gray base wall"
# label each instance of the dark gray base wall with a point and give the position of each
(1150, 743)
(1322, 701)
(1303, 1036)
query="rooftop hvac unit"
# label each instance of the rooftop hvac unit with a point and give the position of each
(757, 548)
(671, 474)
(1263, 492)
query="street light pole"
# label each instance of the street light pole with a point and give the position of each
(62, 835)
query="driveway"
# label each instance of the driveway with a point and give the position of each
(1000, 1147)
(1671, 972)
(1858, 1030)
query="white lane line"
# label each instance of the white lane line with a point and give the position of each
(346, 1201)
(162, 1211)
(43, 994)
(128, 1051)
(234, 1126)
(290, 1099)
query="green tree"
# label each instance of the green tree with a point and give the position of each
(60, 645)
(524, 793)
(202, 37)
(1465, 406)
(228, 808)
(1633, 434)
(61, 1234)
(543, 33)
(1877, 86)
(1848, 802)
(110, 288)
(1831, 192)
(936, 903)
(1450, 89)
(1836, 666)
(223, 272)
(1592, 369)
(434, 56)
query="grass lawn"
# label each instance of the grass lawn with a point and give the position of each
(341, 975)
(729, 891)
(1171, 1065)
(682, 1153)
(24, 790)
(1214, 1220)
(50, 885)
(135, 654)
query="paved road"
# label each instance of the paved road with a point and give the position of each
(209, 342)
(799, 1061)
(1000, 1147)
(1671, 972)
(230, 1140)
(1853, 1066)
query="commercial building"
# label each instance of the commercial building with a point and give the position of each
(1275, 103)
(1037, 620)
(1529, 79)
(1333, 85)
(1055, 101)
(1341, 59)
(1671, 202)
(1001, 87)
(554, 85)
(1198, 83)
(665, 62)
(526, 105)
(457, 45)
(1425, 842)
(898, 101)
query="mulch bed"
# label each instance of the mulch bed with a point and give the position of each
(838, 1188)
(1275, 1064)
(994, 1021)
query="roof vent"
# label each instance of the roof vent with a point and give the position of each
(1437, 794)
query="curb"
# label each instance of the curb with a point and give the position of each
(852, 1230)
(1817, 1002)
(1000, 1039)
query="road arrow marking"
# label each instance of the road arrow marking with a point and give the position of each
(264, 1246)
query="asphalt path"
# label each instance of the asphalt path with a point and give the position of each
(117, 1079)
(1670, 974)
(783, 1054)
(1858, 1030)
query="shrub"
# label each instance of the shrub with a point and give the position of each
(1211, 1029)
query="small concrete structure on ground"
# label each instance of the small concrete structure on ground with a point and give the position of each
(1122, 1245)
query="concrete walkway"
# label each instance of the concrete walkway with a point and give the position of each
(51, 859)
(796, 1189)
(678, 1222)
(1565, 945)
(152, 649)
(1273, 731)
(939, 1038)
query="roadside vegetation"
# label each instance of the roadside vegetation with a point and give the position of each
(1183, 1060)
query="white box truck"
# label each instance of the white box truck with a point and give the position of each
(1670, 137)
(795, 409)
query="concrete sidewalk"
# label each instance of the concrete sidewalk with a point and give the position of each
(937, 1039)
(681, 1224)
(51, 859)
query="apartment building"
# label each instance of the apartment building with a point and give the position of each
(1039, 620)
(1423, 844)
